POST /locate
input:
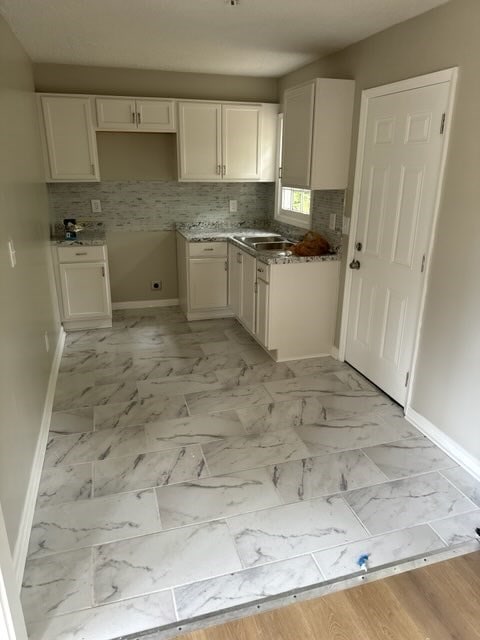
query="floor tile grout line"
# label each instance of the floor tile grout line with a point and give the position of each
(454, 485)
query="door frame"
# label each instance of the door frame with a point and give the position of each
(446, 75)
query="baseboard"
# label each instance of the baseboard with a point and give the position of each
(448, 445)
(144, 304)
(21, 547)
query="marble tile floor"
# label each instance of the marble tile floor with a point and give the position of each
(186, 472)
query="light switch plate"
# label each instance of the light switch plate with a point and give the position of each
(233, 205)
(96, 206)
(12, 254)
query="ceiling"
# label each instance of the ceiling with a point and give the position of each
(255, 38)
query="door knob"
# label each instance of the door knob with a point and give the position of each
(354, 264)
(358, 246)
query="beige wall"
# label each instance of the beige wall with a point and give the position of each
(140, 82)
(447, 379)
(136, 258)
(137, 156)
(27, 310)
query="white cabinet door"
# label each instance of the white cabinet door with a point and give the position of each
(297, 135)
(262, 312)
(207, 283)
(116, 113)
(199, 141)
(156, 115)
(85, 290)
(70, 139)
(247, 315)
(241, 141)
(235, 280)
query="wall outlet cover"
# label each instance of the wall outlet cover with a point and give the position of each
(346, 226)
(233, 206)
(96, 206)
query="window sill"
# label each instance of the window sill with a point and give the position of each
(304, 222)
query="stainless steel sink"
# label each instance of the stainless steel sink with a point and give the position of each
(281, 245)
(251, 241)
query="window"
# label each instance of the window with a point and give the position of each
(292, 205)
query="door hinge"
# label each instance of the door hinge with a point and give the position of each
(423, 263)
(407, 377)
(442, 124)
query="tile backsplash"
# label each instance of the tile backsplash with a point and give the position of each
(144, 205)
(160, 205)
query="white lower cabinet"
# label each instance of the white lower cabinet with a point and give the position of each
(241, 290)
(83, 287)
(207, 283)
(202, 279)
(262, 312)
(247, 316)
(289, 308)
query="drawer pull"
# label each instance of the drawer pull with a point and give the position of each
(208, 249)
(260, 270)
(81, 253)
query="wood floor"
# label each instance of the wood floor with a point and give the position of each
(438, 602)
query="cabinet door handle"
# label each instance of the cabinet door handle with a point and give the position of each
(260, 270)
(224, 169)
(219, 169)
(81, 253)
(103, 272)
(138, 118)
(93, 168)
(134, 117)
(226, 265)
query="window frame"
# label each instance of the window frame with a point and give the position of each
(297, 219)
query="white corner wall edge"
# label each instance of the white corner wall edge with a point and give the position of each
(448, 445)
(21, 546)
(144, 304)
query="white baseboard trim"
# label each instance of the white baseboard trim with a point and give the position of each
(21, 546)
(447, 444)
(144, 304)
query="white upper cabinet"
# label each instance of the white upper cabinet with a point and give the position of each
(241, 140)
(199, 141)
(317, 132)
(69, 139)
(131, 114)
(116, 113)
(226, 141)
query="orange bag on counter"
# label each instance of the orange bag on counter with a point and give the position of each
(312, 244)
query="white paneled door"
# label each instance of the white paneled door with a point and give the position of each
(402, 159)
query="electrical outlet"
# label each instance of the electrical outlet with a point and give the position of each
(96, 206)
(233, 205)
(156, 285)
(333, 221)
(47, 341)
(12, 253)
(346, 226)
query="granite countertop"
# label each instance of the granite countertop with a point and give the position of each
(84, 238)
(217, 235)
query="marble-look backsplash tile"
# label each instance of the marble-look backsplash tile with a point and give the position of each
(160, 205)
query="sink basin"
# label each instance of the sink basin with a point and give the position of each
(273, 246)
(252, 241)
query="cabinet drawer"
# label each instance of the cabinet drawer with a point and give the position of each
(81, 254)
(207, 249)
(263, 272)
